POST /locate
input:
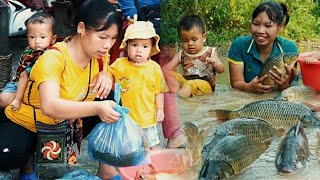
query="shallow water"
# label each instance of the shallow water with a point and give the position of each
(197, 110)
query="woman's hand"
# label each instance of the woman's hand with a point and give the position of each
(257, 86)
(107, 113)
(282, 81)
(101, 84)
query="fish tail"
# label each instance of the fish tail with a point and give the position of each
(222, 114)
(279, 97)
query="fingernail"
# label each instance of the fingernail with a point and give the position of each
(94, 91)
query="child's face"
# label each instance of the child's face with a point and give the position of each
(263, 30)
(40, 36)
(139, 50)
(193, 40)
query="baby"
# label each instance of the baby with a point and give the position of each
(40, 35)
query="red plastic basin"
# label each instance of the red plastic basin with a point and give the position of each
(310, 72)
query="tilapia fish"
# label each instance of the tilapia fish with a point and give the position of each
(279, 61)
(297, 93)
(294, 150)
(278, 113)
(230, 156)
(255, 129)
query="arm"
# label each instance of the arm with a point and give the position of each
(22, 85)
(128, 8)
(216, 63)
(160, 107)
(54, 106)
(237, 80)
(171, 65)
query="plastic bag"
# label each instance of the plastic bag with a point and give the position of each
(118, 144)
(79, 175)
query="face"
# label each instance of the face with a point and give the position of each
(97, 43)
(139, 50)
(263, 30)
(40, 36)
(192, 40)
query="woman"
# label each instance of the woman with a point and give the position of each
(248, 53)
(65, 81)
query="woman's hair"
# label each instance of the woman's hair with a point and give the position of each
(42, 18)
(275, 11)
(97, 15)
(188, 22)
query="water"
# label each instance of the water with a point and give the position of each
(198, 110)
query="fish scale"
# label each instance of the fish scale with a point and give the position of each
(275, 112)
(279, 60)
(236, 152)
(256, 129)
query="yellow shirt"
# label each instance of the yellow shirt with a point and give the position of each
(56, 66)
(139, 85)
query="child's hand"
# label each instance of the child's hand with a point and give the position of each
(160, 115)
(15, 105)
(315, 57)
(213, 61)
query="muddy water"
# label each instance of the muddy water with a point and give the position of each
(197, 110)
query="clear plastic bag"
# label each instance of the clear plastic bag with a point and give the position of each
(79, 175)
(118, 144)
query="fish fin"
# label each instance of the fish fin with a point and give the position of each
(282, 131)
(222, 114)
(280, 97)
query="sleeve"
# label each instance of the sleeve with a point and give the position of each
(49, 67)
(235, 52)
(160, 82)
(128, 8)
(290, 46)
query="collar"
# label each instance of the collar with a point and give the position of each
(253, 49)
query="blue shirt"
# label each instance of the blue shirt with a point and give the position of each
(128, 7)
(244, 50)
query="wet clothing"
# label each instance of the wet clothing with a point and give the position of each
(139, 86)
(198, 75)
(244, 51)
(55, 66)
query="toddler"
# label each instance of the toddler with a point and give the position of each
(200, 63)
(40, 35)
(141, 79)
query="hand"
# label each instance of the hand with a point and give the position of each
(160, 115)
(101, 84)
(106, 111)
(281, 80)
(257, 86)
(213, 61)
(15, 105)
(131, 21)
(309, 60)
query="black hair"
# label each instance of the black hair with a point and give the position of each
(188, 22)
(41, 18)
(275, 11)
(97, 15)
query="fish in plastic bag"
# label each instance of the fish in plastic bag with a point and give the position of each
(79, 175)
(121, 143)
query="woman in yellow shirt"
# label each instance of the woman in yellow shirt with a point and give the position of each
(63, 84)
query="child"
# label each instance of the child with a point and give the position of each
(40, 35)
(199, 63)
(141, 78)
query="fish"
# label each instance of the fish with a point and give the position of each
(279, 113)
(297, 93)
(230, 156)
(293, 151)
(256, 129)
(194, 140)
(279, 60)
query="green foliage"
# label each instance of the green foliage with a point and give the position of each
(228, 19)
